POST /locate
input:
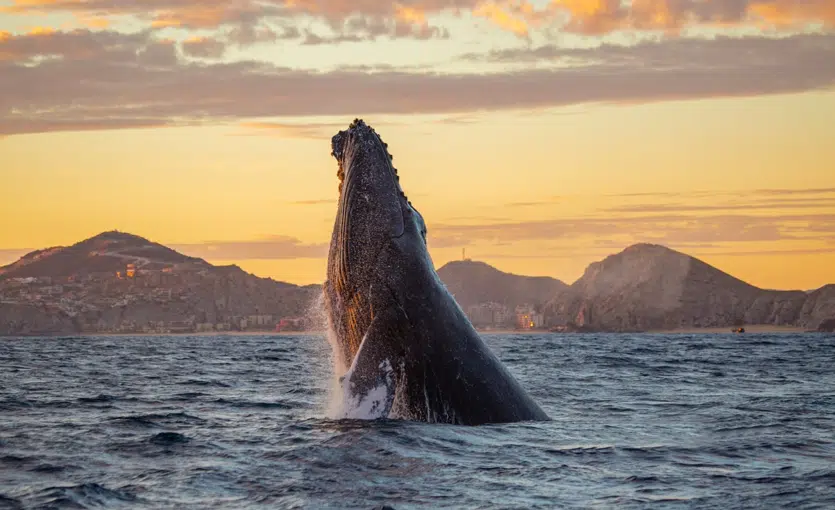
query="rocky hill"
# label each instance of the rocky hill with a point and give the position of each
(118, 282)
(818, 309)
(648, 287)
(474, 282)
(107, 252)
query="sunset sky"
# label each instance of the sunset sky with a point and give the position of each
(539, 135)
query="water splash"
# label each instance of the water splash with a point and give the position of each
(337, 401)
(342, 402)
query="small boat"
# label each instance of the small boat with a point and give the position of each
(738, 330)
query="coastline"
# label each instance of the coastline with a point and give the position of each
(760, 328)
(754, 328)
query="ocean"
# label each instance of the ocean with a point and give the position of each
(688, 420)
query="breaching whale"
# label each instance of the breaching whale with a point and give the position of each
(410, 350)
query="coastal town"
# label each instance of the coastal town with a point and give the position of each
(168, 300)
(116, 282)
(160, 300)
(120, 283)
(498, 316)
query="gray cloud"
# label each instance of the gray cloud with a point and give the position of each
(531, 204)
(76, 45)
(802, 191)
(731, 193)
(27, 126)
(248, 34)
(141, 80)
(671, 229)
(316, 130)
(204, 47)
(679, 54)
(798, 251)
(315, 202)
(367, 28)
(769, 205)
(537, 203)
(277, 247)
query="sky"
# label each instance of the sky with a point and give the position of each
(539, 135)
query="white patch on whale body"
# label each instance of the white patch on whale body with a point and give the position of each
(372, 405)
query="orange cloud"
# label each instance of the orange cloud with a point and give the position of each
(597, 17)
(196, 16)
(165, 23)
(41, 31)
(203, 47)
(500, 16)
(409, 14)
(591, 17)
(792, 12)
(92, 21)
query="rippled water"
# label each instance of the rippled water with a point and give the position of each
(239, 422)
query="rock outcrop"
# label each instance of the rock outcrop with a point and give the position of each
(648, 287)
(819, 308)
(474, 282)
(26, 319)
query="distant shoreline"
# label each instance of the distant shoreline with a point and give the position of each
(754, 328)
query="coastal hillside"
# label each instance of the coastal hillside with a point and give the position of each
(107, 252)
(647, 287)
(473, 283)
(119, 283)
(818, 309)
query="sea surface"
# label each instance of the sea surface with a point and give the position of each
(703, 421)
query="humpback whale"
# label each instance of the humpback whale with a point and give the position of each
(409, 350)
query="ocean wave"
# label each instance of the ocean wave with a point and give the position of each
(243, 422)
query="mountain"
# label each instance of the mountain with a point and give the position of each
(476, 282)
(119, 282)
(106, 252)
(648, 287)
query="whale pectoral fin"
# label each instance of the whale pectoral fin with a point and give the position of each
(372, 378)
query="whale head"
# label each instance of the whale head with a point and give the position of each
(375, 232)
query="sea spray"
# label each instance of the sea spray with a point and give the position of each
(342, 403)
(318, 316)
(318, 320)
